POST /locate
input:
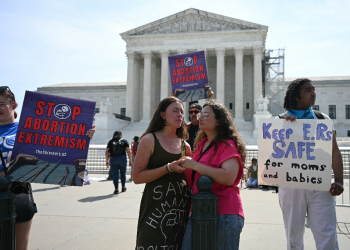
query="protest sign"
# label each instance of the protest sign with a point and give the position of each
(51, 145)
(295, 154)
(189, 77)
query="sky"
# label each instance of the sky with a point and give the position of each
(45, 42)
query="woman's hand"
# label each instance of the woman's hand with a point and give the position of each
(290, 118)
(91, 132)
(189, 163)
(175, 166)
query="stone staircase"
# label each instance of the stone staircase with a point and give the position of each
(246, 130)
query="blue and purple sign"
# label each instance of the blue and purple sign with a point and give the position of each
(52, 129)
(189, 77)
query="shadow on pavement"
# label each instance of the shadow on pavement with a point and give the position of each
(45, 189)
(343, 228)
(96, 198)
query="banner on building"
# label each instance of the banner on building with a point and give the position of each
(189, 77)
(51, 145)
(295, 154)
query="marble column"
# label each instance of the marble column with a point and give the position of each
(164, 83)
(146, 109)
(257, 52)
(181, 51)
(239, 83)
(153, 85)
(220, 74)
(136, 93)
(129, 86)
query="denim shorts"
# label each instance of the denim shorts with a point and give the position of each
(229, 230)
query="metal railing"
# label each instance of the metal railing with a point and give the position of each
(96, 163)
(343, 200)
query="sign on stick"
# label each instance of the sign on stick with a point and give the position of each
(51, 145)
(189, 77)
(295, 154)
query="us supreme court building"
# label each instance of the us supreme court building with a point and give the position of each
(240, 70)
(234, 52)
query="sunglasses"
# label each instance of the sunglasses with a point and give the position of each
(4, 88)
(193, 111)
(203, 115)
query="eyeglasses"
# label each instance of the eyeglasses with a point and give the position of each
(203, 115)
(193, 111)
(4, 88)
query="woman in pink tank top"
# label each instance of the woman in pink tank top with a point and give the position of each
(223, 162)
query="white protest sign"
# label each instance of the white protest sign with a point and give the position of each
(295, 154)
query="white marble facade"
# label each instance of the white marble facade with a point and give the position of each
(234, 52)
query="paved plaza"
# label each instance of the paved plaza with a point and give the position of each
(90, 217)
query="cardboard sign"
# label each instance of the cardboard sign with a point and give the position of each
(189, 77)
(51, 145)
(295, 154)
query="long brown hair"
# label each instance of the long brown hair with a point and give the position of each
(225, 130)
(9, 96)
(157, 123)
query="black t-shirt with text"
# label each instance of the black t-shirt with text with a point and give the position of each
(117, 147)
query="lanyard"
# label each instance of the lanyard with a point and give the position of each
(206, 150)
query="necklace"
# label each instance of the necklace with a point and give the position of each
(171, 144)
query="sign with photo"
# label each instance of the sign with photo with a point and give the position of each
(189, 76)
(51, 145)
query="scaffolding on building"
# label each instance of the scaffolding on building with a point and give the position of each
(274, 88)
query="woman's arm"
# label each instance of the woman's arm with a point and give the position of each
(188, 149)
(140, 172)
(226, 174)
(107, 157)
(129, 155)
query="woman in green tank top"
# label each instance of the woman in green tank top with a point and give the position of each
(165, 204)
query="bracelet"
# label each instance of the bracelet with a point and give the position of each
(168, 167)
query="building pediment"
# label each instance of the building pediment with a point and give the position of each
(192, 21)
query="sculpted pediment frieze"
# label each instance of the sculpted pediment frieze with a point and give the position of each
(190, 21)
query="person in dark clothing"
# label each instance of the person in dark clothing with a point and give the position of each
(116, 150)
(192, 127)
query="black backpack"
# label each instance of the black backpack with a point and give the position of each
(118, 147)
(317, 114)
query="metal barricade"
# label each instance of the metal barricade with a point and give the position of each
(343, 200)
(96, 161)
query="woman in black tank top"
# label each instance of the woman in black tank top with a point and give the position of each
(165, 205)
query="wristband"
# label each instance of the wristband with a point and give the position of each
(169, 170)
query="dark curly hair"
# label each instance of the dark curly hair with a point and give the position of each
(225, 130)
(293, 93)
(157, 123)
